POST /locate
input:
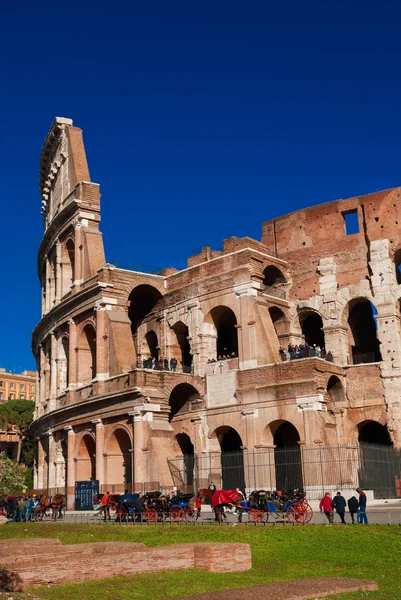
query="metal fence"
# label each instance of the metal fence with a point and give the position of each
(316, 470)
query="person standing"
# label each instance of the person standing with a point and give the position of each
(104, 503)
(339, 504)
(326, 507)
(362, 516)
(353, 508)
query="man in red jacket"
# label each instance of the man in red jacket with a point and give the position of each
(326, 506)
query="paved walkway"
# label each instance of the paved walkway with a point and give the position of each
(302, 589)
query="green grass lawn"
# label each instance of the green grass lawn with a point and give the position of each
(278, 553)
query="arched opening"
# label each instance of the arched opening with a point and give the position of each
(225, 323)
(378, 459)
(279, 321)
(287, 456)
(87, 355)
(365, 347)
(335, 390)
(119, 459)
(185, 357)
(153, 344)
(274, 282)
(188, 454)
(182, 394)
(86, 459)
(142, 301)
(397, 261)
(63, 365)
(312, 328)
(232, 458)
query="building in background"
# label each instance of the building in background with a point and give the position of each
(15, 386)
(266, 364)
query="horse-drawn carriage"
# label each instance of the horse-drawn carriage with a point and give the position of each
(175, 509)
(265, 505)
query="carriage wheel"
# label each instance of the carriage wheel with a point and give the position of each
(291, 515)
(150, 515)
(191, 514)
(256, 516)
(176, 514)
(303, 514)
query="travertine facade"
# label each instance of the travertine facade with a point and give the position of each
(101, 415)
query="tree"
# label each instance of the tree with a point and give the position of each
(12, 476)
(17, 414)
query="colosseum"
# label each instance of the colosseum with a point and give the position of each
(266, 364)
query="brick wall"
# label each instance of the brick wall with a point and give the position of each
(38, 561)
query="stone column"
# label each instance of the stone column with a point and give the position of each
(41, 459)
(57, 274)
(73, 356)
(336, 341)
(102, 371)
(51, 462)
(53, 371)
(99, 452)
(78, 266)
(71, 463)
(141, 470)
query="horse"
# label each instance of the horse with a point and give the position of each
(57, 504)
(221, 498)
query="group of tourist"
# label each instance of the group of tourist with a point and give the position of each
(19, 508)
(157, 364)
(356, 507)
(222, 357)
(304, 351)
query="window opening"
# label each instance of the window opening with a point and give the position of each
(351, 222)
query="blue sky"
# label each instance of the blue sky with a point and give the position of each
(201, 121)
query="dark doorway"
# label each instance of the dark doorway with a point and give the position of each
(379, 461)
(232, 459)
(188, 453)
(312, 329)
(364, 343)
(143, 300)
(151, 340)
(182, 333)
(287, 458)
(182, 394)
(226, 325)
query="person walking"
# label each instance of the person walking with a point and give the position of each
(353, 508)
(326, 507)
(362, 516)
(339, 504)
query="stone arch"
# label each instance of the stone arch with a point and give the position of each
(63, 363)
(180, 396)
(364, 346)
(335, 390)
(187, 451)
(87, 353)
(85, 456)
(232, 457)
(311, 324)
(223, 325)
(274, 282)
(142, 301)
(67, 265)
(118, 451)
(181, 348)
(373, 432)
(378, 460)
(287, 455)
